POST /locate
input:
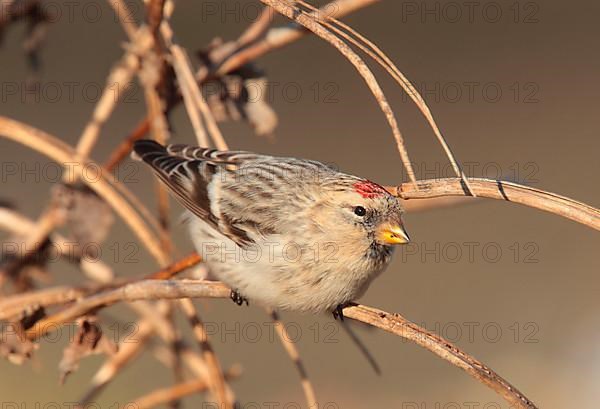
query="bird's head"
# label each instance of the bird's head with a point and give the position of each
(361, 210)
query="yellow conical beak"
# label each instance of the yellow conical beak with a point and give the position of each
(392, 234)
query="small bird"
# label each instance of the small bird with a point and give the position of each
(291, 234)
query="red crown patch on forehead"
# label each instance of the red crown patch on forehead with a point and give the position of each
(368, 189)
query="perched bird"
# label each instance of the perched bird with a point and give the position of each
(287, 233)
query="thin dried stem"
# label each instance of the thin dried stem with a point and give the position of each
(153, 73)
(124, 15)
(39, 230)
(394, 323)
(292, 351)
(361, 346)
(382, 59)
(64, 154)
(398, 325)
(128, 351)
(153, 321)
(176, 268)
(162, 197)
(311, 24)
(271, 40)
(182, 66)
(165, 395)
(13, 305)
(124, 148)
(187, 91)
(182, 353)
(33, 239)
(501, 190)
(257, 28)
(434, 203)
(216, 377)
(154, 15)
(117, 83)
(192, 95)
(278, 37)
(161, 316)
(143, 290)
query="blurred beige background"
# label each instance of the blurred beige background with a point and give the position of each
(515, 93)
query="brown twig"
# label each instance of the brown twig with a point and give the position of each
(20, 225)
(434, 203)
(155, 321)
(367, 46)
(39, 231)
(192, 95)
(313, 25)
(162, 198)
(292, 351)
(117, 82)
(177, 289)
(175, 268)
(127, 352)
(257, 28)
(272, 39)
(276, 38)
(398, 325)
(64, 154)
(12, 305)
(124, 148)
(154, 15)
(182, 353)
(161, 396)
(508, 191)
(216, 378)
(143, 290)
(124, 14)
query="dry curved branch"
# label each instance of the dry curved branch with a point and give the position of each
(60, 152)
(394, 323)
(398, 325)
(312, 25)
(13, 305)
(142, 290)
(368, 47)
(508, 191)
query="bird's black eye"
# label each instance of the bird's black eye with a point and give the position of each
(360, 211)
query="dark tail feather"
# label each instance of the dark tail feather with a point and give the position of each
(362, 347)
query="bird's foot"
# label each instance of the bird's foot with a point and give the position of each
(238, 298)
(339, 312)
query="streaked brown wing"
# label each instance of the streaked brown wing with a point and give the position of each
(188, 172)
(187, 179)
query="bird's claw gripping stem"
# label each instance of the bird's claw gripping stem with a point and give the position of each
(238, 298)
(339, 312)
